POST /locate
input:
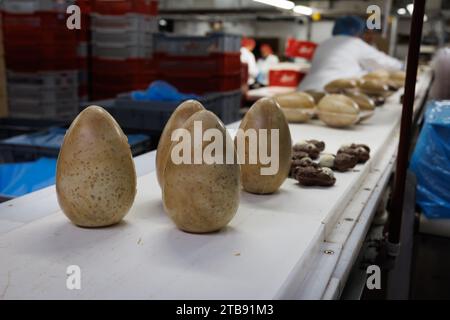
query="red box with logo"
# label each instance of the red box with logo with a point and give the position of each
(300, 49)
(285, 78)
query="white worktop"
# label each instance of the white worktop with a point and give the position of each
(271, 249)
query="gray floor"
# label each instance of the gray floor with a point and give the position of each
(431, 272)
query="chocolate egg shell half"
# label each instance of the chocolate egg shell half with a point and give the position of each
(297, 107)
(338, 110)
(374, 87)
(339, 85)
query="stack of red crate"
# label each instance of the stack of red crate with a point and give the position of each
(39, 49)
(83, 49)
(122, 46)
(3, 104)
(38, 41)
(200, 64)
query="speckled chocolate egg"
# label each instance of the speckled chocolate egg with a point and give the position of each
(265, 114)
(95, 174)
(202, 195)
(176, 120)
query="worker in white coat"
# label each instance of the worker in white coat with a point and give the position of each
(268, 59)
(345, 55)
(247, 57)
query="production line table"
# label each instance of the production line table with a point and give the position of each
(255, 94)
(298, 243)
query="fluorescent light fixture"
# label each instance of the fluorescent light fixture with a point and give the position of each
(401, 11)
(303, 10)
(282, 4)
(410, 8)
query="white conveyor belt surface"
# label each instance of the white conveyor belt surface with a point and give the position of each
(272, 249)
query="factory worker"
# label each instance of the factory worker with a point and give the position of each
(247, 57)
(268, 59)
(345, 55)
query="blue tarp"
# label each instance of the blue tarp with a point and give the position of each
(17, 179)
(431, 161)
(161, 91)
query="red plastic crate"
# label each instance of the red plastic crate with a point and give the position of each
(82, 63)
(132, 80)
(285, 78)
(41, 51)
(25, 22)
(205, 84)
(123, 67)
(119, 7)
(84, 33)
(34, 64)
(85, 6)
(83, 91)
(47, 36)
(41, 27)
(214, 64)
(244, 74)
(100, 91)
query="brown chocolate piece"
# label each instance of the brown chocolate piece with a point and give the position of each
(379, 100)
(358, 145)
(311, 176)
(294, 165)
(362, 152)
(319, 144)
(309, 148)
(297, 155)
(345, 161)
(303, 162)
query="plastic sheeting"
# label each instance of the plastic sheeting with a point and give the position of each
(161, 91)
(17, 179)
(431, 161)
(50, 139)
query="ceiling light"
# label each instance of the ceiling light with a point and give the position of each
(425, 18)
(282, 4)
(410, 8)
(401, 11)
(303, 10)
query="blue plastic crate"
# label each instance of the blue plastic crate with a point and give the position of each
(47, 143)
(10, 127)
(153, 115)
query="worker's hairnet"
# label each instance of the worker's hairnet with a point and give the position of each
(349, 26)
(266, 48)
(248, 42)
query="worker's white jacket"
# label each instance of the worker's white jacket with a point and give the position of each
(345, 57)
